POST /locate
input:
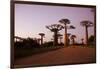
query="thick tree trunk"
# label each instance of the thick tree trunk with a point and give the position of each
(55, 38)
(41, 40)
(86, 28)
(65, 37)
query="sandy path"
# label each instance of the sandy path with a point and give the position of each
(61, 56)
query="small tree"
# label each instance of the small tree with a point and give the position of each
(73, 38)
(91, 39)
(38, 40)
(82, 41)
(42, 35)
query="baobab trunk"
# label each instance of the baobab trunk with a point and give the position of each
(86, 28)
(65, 38)
(55, 38)
(41, 40)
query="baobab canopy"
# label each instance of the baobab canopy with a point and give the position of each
(54, 27)
(86, 23)
(64, 21)
(71, 27)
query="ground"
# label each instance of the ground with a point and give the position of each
(66, 55)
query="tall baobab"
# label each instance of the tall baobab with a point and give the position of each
(86, 24)
(73, 38)
(55, 28)
(42, 35)
(93, 10)
(65, 22)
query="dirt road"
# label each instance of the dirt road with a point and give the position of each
(70, 55)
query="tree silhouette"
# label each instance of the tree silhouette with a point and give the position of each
(71, 27)
(91, 39)
(65, 22)
(86, 24)
(68, 34)
(38, 40)
(93, 10)
(73, 38)
(55, 28)
(82, 41)
(42, 35)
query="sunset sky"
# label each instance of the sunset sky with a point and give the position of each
(30, 20)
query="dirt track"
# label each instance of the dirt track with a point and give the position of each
(69, 55)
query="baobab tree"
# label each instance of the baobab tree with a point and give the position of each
(65, 22)
(86, 24)
(55, 28)
(93, 10)
(42, 35)
(38, 40)
(73, 38)
(68, 34)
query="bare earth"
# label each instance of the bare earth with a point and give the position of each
(68, 55)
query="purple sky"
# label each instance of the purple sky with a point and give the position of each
(32, 19)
